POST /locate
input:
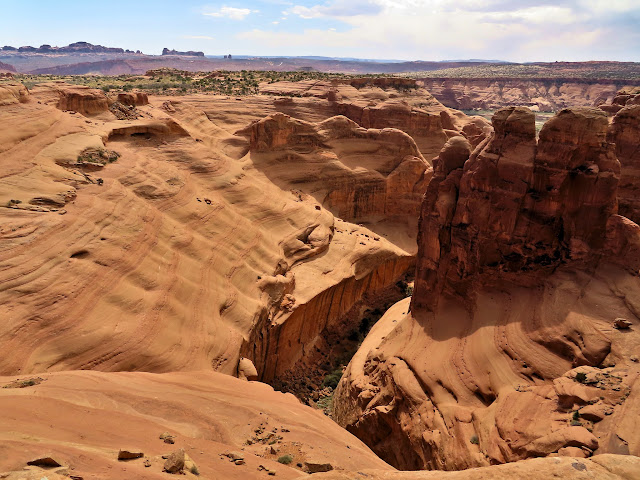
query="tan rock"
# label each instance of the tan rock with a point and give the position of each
(129, 454)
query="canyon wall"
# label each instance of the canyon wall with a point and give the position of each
(625, 132)
(515, 343)
(545, 95)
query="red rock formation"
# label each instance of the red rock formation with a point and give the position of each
(625, 132)
(133, 99)
(519, 206)
(546, 95)
(519, 277)
(390, 103)
(11, 93)
(359, 174)
(75, 98)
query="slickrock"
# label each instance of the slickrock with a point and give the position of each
(385, 103)
(602, 467)
(12, 93)
(83, 417)
(522, 266)
(181, 251)
(76, 98)
(388, 183)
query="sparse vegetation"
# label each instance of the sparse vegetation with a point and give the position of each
(474, 440)
(194, 469)
(97, 156)
(627, 71)
(581, 377)
(333, 378)
(285, 459)
(169, 81)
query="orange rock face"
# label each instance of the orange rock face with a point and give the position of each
(390, 103)
(625, 131)
(133, 99)
(75, 98)
(391, 179)
(543, 95)
(509, 331)
(85, 420)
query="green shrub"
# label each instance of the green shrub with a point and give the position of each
(333, 378)
(474, 440)
(581, 377)
(285, 459)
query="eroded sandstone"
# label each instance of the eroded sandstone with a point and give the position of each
(518, 279)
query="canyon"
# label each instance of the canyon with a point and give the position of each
(543, 95)
(154, 247)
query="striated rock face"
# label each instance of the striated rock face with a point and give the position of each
(520, 272)
(546, 95)
(133, 99)
(361, 175)
(515, 206)
(625, 132)
(77, 98)
(389, 103)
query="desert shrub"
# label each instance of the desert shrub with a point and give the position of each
(474, 440)
(285, 459)
(333, 378)
(581, 377)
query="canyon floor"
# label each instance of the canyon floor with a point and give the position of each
(154, 247)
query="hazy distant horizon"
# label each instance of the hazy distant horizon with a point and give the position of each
(402, 30)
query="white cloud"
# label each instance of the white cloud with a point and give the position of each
(198, 37)
(230, 12)
(526, 30)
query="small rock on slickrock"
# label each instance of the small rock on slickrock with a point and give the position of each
(622, 324)
(168, 438)
(129, 454)
(175, 463)
(317, 467)
(45, 462)
(247, 370)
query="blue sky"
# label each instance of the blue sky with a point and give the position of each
(524, 30)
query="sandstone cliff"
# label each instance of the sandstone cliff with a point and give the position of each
(170, 243)
(389, 103)
(76, 98)
(507, 349)
(545, 95)
(624, 132)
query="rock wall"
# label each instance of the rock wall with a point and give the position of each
(624, 132)
(75, 98)
(512, 345)
(359, 174)
(516, 206)
(12, 93)
(543, 95)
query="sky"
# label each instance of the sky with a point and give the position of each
(520, 31)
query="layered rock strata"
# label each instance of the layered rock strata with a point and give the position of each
(507, 347)
(625, 132)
